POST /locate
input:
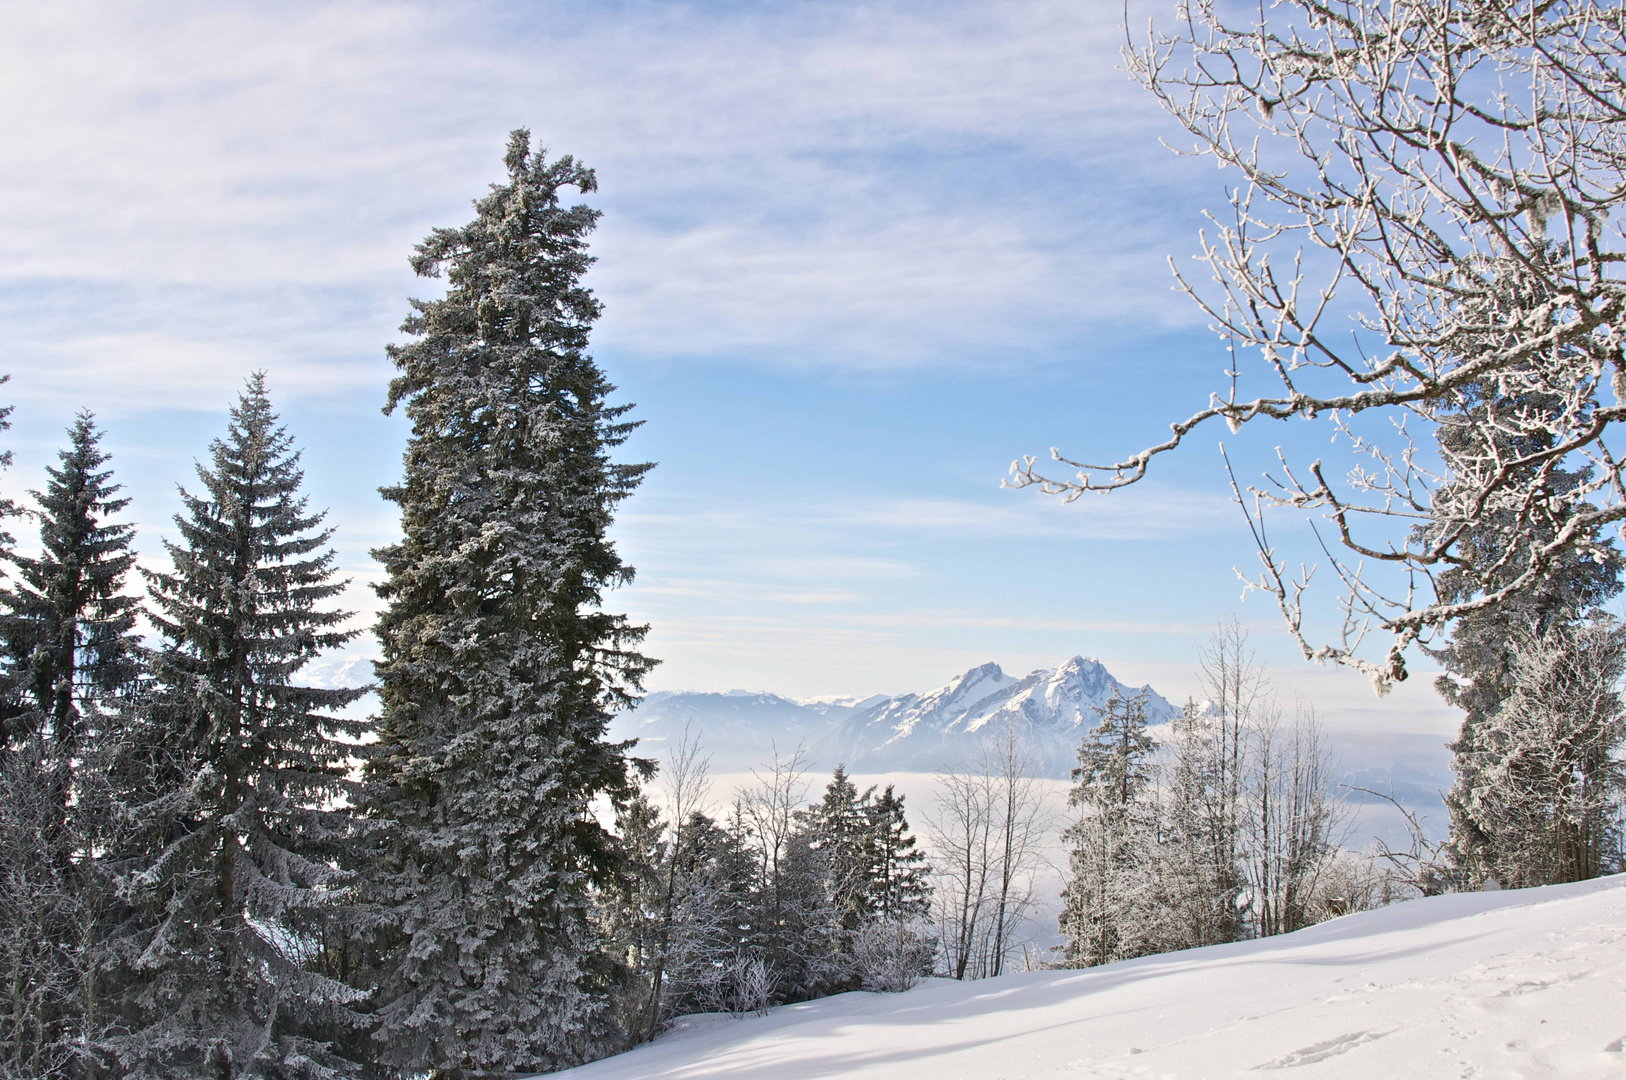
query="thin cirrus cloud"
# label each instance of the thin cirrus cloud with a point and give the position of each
(1151, 513)
(687, 532)
(192, 191)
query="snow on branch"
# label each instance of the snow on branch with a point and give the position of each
(1449, 175)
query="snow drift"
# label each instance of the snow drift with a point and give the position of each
(1526, 983)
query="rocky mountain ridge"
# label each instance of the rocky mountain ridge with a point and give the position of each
(945, 728)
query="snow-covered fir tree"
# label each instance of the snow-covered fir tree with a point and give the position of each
(69, 632)
(875, 883)
(1505, 426)
(500, 665)
(709, 965)
(893, 947)
(684, 922)
(1111, 902)
(234, 773)
(1539, 798)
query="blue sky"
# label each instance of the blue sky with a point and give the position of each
(854, 259)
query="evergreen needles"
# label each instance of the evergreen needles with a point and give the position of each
(233, 778)
(500, 669)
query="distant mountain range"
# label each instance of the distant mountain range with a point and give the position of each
(945, 728)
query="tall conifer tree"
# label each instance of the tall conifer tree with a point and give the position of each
(235, 768)
(500, 668)
(71, 649)
(13, 699)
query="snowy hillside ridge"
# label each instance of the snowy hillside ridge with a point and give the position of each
(1524, 983)
(943, 728)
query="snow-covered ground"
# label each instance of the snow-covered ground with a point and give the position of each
(1527, 983)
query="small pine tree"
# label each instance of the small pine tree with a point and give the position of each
(840, 828)
(500, 667)
(900, 881)
(797, 930)
(235, 775)
(892, 950)
(639, 915)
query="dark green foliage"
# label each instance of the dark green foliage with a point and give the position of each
(73, 629)
(873, 870)
(787, 903)
(683, 920)
(899, 885)
(13, 633)
(232, 777)
(500, 668)
(841, 831)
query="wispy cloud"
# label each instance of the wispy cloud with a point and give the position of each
(191, 191)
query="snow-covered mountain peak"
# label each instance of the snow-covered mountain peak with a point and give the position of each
(1053, 706)
(942, 728)
(965, 692)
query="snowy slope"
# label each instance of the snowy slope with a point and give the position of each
(1510, 984)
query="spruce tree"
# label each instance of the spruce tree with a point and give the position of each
(841, 829)
(900, 887)
(235, 774)
(500, 668)
(13, 698)
(74, 629)
(1482, 654)
(1111, 857)
(70, 632)
(875, 883)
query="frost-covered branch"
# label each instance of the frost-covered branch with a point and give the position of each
(1424, 230)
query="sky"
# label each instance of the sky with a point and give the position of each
(855, 259)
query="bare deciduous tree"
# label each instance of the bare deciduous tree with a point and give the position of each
(985, 839)
(1295, 821)
(688, 784)
(770, 809)
(961, 836)
(1424, 230)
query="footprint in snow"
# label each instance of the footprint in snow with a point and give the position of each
(1321, 1051)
